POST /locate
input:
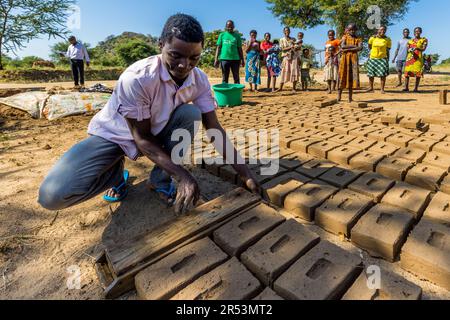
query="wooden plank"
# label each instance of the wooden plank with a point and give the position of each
(443, 97)
(116, 286)
(127, 255)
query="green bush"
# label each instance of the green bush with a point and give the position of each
(134, 50)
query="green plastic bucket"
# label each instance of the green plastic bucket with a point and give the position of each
(228, 95)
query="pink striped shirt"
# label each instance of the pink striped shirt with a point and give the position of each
(146, 91)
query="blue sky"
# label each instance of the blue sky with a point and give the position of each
(101, 18)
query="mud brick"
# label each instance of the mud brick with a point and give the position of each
(394, 168)
(307, 132)
(165, 278)
(443, 97)
(260, 175)
(324, 135)
(411, 154)
(410, 122)
(439, 160)
(372, 185)
(242, 232)
(390, 118)
(362, 143)
(341, 177)
(408, 197)
(382, 231)
(445, 185)
(324, 273)
(328, 103)
(342, 139)
(277, 189)
(321, 150)
(295, 160)
(400, 139)
(392, 287)
(426, 176)
(384, 148)
(411, 132)
(380, 135)
(362, 132)
(268, 295)
(439, 209)
(434, 136)
(313, 124)
(286, 140)
(315, 168)
(423, 143)
(230, 281)
(340, 213)
(343, 154)
(303, 144)
(327, 126)
(374, 109)
(347, 128)
(304, 201)
(427, 253)
(277, 251)
(359, 105)
(227, 173)
(366, 161)
(442, 147)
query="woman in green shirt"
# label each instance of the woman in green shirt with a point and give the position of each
(229, 54)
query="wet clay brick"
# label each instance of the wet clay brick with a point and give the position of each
(390, 118)
(384, 148)
(426, 176)
(380, 135)
(362, 143)
(295, 160)
(394, 168)
(382, 231)
(230, 281)
(341, 177)
(315, 168)
(165, 278)
(434, 136)
(423, 143)
(362, 132)
(268, 295)
(324, 273)
(366, 161)
(427, 253)
(242, 232)
(345, 129)
(278, 250)
(324, 135)
(442, 147)
(304, 144)
(303, 202)
(437, 159)
(277, 189)
(445, 185)
(412, 154)
(343, 154)
(340, 213)
(410, 122)
(342, 139)
(372, 185)
(321, 150)
(408, 197)
(392, 287)
(439, 209)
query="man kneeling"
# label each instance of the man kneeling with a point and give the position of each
(149, 103)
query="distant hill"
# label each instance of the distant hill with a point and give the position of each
(111, 42)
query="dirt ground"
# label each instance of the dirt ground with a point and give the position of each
(38, 246)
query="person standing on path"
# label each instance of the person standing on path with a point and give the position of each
(351, 45)
(77, 54)
(401, 54)
(331, 61)
(378, 64)
(415, 59)
(253, 65)
(290, 70)
(266, 45)
(229, 53)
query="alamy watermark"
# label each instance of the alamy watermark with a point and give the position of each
(374, 20)
(74, 19)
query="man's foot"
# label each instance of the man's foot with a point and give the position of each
(167, 196)
(405, 90)
(118, 193)
(399, 85)
(370, 91)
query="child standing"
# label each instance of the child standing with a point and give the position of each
(332, 61)
(273, 63)
(306, 66)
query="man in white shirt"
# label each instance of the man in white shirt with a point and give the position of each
(154, 98)
(77, 54)
(400, 55)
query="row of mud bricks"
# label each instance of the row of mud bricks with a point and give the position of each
(329, 173)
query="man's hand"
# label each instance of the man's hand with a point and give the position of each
(216, 64)
(88, 64)
(249, 179)
(242, 63)
(188, 194)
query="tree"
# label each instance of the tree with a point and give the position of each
(24, 20)
(434, 58)
(134, 50)
(446, 61)
(307, 14)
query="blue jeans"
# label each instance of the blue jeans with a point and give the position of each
(95, 165)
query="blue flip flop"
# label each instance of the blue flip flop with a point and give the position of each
(171, 192)
(121, 190)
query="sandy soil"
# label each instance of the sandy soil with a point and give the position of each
(38, 246)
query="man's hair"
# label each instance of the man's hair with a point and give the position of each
(254, 31)
(183, 27)
(331, 31)
(72, 38)
(406, 29)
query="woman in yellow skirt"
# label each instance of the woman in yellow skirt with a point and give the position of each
(414, 60)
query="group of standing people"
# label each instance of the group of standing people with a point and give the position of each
(341, 70)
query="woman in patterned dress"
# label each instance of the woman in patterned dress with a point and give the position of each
(415, 61)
